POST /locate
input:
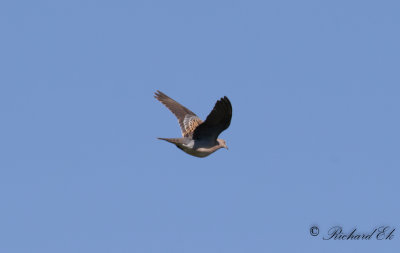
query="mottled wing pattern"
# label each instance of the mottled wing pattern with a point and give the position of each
(190, 123)
(217, 121)
(187, 119)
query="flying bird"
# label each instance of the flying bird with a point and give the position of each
(199, 138)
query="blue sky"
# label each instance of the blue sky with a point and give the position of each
(314, 138)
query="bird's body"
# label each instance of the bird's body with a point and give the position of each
(196, 148)
(199, 138)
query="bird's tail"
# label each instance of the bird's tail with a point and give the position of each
(172, 140)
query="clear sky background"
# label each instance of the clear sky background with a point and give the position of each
(314, 138)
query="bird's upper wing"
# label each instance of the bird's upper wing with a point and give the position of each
(187, 119)
(217, 121)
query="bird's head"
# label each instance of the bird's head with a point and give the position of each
(222, 143)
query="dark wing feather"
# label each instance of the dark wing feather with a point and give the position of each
(217, 121)
(188, 120)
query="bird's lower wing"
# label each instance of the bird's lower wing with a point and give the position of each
(217, 121)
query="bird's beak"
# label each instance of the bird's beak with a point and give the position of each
(226, 147)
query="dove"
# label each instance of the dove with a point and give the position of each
(199, 138)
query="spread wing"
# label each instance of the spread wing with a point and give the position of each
(217, 121)
(188, 121)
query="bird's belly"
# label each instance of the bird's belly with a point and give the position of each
(196, 152)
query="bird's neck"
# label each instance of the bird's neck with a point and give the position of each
(216, 147)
